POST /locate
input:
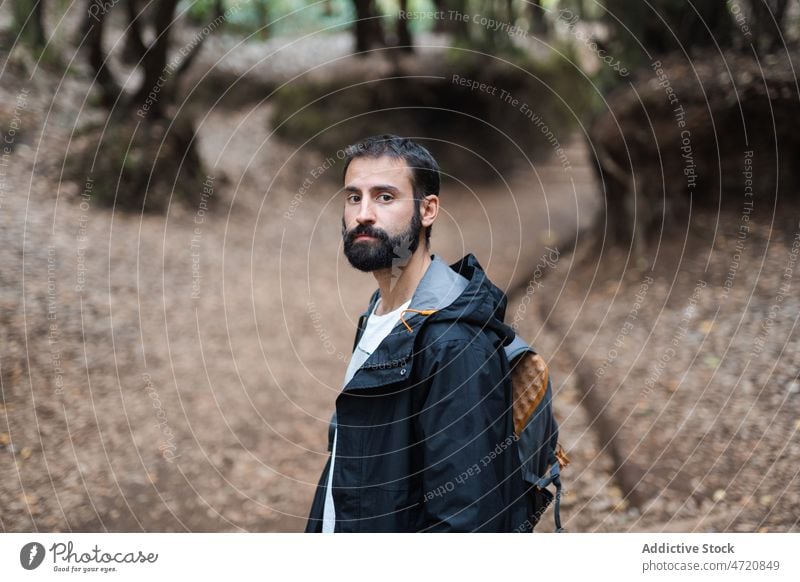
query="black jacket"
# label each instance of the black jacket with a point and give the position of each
(425, 431)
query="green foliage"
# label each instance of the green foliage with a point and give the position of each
(281, 17)
(299, 17)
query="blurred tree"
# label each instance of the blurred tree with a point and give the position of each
(155, 57)
(403, 34)
(109, 90)
(440, 24)
(511, 13)
(134, 48)
(262, 12)
(458, 27)
(151, 57)
(486, 39)
(639, 31)
(538, 18)
(143, 139)
(575, 6)
(368, 29)
(29, 23)
(768, 23)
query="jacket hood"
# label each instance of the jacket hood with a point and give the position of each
(478, 301)
(457, 292)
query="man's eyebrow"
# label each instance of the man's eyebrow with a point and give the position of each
(373, 189)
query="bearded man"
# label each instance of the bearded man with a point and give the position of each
(422, 438)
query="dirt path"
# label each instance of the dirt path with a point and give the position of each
(179, 373)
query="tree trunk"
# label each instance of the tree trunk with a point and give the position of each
(538, 19)
(97, 59)
(767, 34)
(29, 22)
(404, 41)
(511, 14)
(149, 158)
(368, 31)
(440, 24)
(134, 48)
(262, 12)
(219, 10)
(155, 59)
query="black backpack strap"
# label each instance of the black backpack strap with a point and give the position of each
(554, 478)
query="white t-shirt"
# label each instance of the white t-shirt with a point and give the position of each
(377, 328)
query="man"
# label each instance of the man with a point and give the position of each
(423, 437)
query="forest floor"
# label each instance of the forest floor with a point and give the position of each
(171, 373)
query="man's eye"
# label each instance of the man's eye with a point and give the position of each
(354, 199)
(385, 197)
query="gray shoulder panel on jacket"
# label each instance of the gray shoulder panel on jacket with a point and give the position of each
(439, 287)
(516, 348)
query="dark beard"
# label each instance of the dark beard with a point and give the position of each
(385, 252)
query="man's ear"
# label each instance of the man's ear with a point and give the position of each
(429, 209)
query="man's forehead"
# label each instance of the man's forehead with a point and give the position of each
(371, 169)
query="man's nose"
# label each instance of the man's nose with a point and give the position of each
(366, 213)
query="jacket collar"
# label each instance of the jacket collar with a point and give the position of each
(392, 359)
(438, 288)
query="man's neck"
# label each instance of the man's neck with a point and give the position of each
(397, 284)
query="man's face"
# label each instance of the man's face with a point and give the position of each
(381, 224)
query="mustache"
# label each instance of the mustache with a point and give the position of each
(365, 229)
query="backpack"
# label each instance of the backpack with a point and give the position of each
(536, 429)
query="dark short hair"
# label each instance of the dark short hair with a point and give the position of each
(424, 168)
